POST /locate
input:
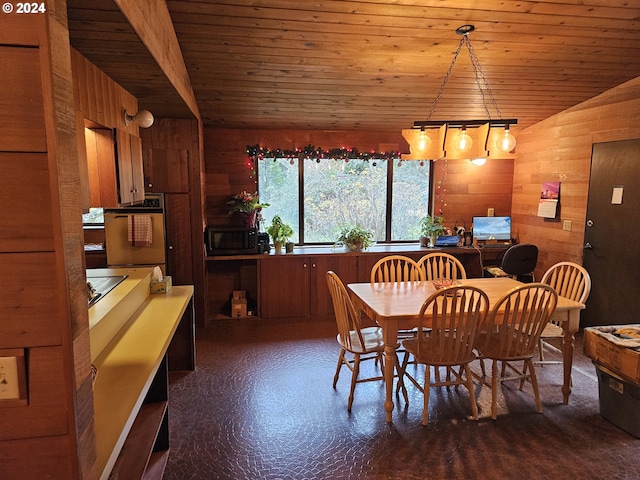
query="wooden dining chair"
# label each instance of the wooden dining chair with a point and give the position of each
(441, 265)
(455, 313)
(571, 281)
(396, 268)
(363, 343)
(511, 334)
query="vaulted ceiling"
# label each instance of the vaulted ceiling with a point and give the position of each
(369, 64)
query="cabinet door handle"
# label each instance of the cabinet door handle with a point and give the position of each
(313, 265)
(170, 247)
(304, 265)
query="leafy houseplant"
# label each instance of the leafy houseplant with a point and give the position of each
(431, 227)
(279, 232)
(248, 205)
(355, 237)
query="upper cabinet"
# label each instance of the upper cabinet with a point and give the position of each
(129, 167)
(166, 170)
(101, 164)
(101, 105)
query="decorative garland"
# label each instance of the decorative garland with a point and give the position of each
(256, 153)
(260, 153)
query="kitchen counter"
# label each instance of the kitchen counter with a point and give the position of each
(379, 248)
(130, 333)
(109, 315)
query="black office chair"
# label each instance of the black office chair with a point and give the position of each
(518, 262)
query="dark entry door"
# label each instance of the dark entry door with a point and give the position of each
(612, 234)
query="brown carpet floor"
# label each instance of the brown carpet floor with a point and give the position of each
(260, 405)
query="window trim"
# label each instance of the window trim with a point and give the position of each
(391, 163)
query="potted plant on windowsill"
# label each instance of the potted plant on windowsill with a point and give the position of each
(430, 228)
(355, 238)
(279, 232)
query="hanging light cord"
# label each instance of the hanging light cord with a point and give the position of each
(479, 75)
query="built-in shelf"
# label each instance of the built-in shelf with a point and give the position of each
(146, 436)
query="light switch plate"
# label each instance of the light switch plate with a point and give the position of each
(9, 378)
(13, 382)
(566, 225)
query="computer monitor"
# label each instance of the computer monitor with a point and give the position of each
(490, 228)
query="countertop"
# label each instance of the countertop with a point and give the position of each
(110, 314)
(384, 248)
(126, 368)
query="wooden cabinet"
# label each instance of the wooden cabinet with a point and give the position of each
(178, 231)
(344, 266)
(166, 170)
(296, 286)
(172, 165)
(284, 287)
(129, 166)
(99, 148)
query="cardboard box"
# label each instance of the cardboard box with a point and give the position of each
(619, 400)
(162, 286)
(612, 350)
(239, 303)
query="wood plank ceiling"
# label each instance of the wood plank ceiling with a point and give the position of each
(375, 64)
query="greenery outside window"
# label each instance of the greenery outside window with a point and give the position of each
(316, 196)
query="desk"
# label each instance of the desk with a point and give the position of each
(397, 305)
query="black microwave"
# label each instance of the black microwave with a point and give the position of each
(231, 241)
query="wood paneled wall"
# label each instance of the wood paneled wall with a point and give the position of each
(102, 102)
(99, 98)
(462, 191)
(43, 303)
(559, 149)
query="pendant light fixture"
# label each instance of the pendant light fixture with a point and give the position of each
(475, 140)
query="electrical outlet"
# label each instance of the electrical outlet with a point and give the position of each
(566, 225)
(9, 386)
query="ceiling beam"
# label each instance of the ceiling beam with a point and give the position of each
(152, 22)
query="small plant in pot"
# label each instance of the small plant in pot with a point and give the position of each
(430, 228)
(354, 238)
(279, 232)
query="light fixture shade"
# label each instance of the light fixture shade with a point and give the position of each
(144, 118)
(506, 142)
(479, 161)
(464, 141)
(423, 144)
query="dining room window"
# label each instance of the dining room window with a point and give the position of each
(316, 196)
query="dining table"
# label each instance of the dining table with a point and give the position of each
(396, 305)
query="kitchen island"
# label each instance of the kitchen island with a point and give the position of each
(131, 332)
